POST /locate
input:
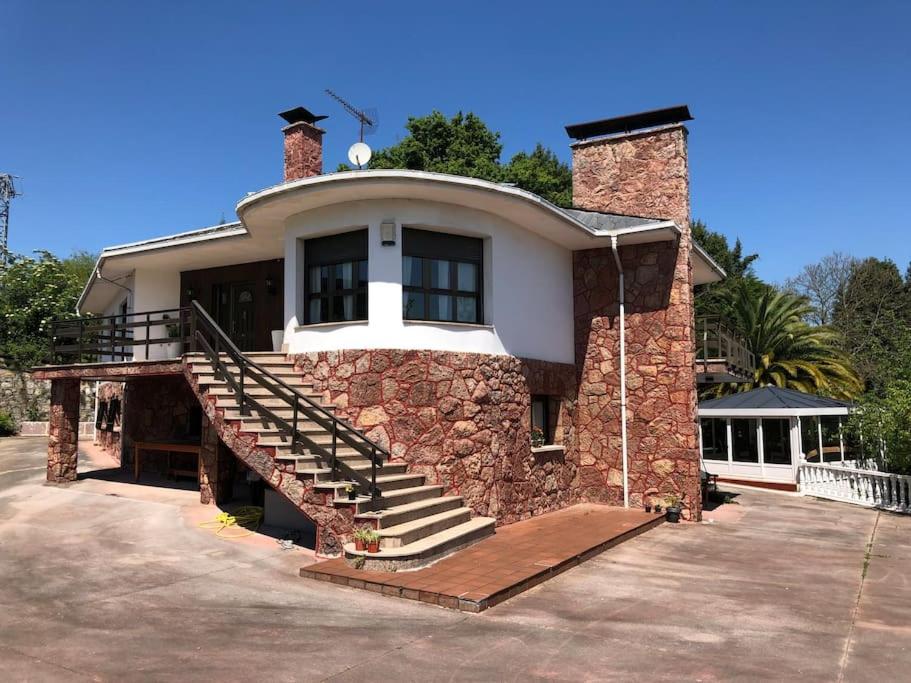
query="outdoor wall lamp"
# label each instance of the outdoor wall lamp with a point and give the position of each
(387, 233)
(191, 293)
(270, 285)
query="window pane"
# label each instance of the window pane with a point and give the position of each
(537, 412)
(318, 279)
(439, 274)
(440, 307)
(746, 449)
(467, 277)
(361, 273)
(412, 272)
(466, 309)
(318, 311)
(344, 275)
(413, 305)
(361, 306)
(776, 442)
(714, 439)
(343, 308)
(809, 438)
(831, 443)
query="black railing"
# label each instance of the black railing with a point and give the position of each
(113, 337)
(717, 341)
(209, 338)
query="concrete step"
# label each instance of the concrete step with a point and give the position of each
(409, 532)
(424, 550)
(259, 357)
(402, 514)
(257, 391)
(389, 500)
(321, 473)
(387, 483)
(228, 402)
(288, 376)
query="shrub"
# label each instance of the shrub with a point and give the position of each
(7, 425)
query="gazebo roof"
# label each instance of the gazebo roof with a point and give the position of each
(773, 401)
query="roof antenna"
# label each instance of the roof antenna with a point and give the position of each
(359, 153)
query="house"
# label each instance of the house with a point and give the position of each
(763, 436)
(458, 353)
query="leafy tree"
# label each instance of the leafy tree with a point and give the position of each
(789, 352)
(822, 284)
(872, 312)
(33, 291)
(718, 298)
(464, 145)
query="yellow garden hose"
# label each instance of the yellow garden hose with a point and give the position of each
(242, 522)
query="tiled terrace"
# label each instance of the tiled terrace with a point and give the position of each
(518, 557)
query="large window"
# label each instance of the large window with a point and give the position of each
(336, 278)
(831, 438)
(545, 411)
(714, 438)
(745, 442)
(809, 438)
(776, 441)
(441, 277)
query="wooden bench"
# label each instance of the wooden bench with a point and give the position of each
(167, 447)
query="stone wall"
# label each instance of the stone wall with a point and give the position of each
(28, 399)
(461, 419)
(108, 431)
(639, 174)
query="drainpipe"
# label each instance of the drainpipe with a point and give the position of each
(621, 297)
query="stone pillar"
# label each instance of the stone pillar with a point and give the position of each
(63, 430)
(208, 463)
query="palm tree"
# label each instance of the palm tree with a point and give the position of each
(789, 352)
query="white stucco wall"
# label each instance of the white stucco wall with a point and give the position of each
(154, 290)
(528, 302)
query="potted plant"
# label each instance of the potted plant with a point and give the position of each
(673, 501)
(537, 437)
(373, 541)
(352, 493)
(657, 508)
(360, 538)
(648, 507)
(169, 350)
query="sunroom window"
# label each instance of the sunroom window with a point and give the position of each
(336, 278)
(441, 277)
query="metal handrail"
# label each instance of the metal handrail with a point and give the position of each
(299, 402)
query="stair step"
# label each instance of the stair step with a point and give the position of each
(287, 376)
(260, 357)
(409, 532)
(321, 473)
(427, 549)
(228, 401)
(387, 483)
(255, 390)
(408, 512)
(391, 499)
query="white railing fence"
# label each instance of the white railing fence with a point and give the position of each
(861, 487)
(868, 464)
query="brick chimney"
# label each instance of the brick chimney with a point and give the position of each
(635, 165)
(303, 144)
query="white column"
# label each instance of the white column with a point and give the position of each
(730, 440)
(819, 434)
(841, 441)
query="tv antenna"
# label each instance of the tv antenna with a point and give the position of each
(359, 153)
(8, 191)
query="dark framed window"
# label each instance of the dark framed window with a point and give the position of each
(441, 277)
(545, 410)
(745, 440)
(336, 278)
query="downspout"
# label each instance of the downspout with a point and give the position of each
(621, 298)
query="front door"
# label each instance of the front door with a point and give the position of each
(234, 303)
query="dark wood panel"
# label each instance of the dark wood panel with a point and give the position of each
(269, 301)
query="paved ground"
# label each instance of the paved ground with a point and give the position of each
(127, 587)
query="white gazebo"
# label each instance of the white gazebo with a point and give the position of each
(761, 436)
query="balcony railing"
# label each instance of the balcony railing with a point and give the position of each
(721, 351)
(149, 335)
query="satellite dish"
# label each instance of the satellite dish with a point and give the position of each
(359, 154)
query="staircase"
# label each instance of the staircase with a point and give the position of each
(284, 418)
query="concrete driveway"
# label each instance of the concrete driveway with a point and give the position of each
(108, 581)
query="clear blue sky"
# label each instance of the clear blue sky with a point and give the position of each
(128, 120)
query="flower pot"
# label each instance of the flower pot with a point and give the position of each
(672, 515)
(373, 547)
(278, 338)
(352, 494)
(657, 509)
(648, 507)
(360, 544)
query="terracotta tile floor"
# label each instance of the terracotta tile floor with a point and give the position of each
(518, 557)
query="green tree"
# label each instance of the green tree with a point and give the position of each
(872, 313)
(464, 145)
(33, 291)
(789, 352)
(718, 298)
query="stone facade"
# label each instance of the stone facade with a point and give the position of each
(26, 398)
(461, 419)
(303, 151)
(108, 431)
(63, 439)
(640, 174)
